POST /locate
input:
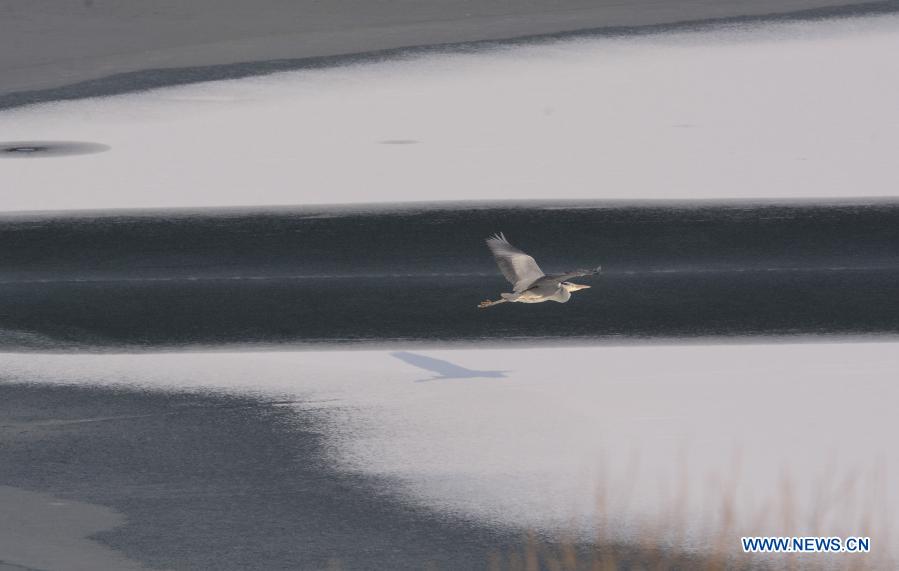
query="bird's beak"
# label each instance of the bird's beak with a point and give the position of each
(575, 287)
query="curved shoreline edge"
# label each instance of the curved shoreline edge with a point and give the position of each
(175, 479)
(40, 531)
(386, 47)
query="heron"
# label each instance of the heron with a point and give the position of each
(529, 283)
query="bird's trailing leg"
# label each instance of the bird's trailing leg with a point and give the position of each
(488, 303)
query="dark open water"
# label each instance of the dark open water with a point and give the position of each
(212, 481)
(293, 276)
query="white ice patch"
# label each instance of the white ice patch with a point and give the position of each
(788, 110)
(795, 439)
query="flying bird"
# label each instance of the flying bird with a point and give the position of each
(529, 283)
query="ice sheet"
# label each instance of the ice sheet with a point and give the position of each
(787, 110)
(793, 438)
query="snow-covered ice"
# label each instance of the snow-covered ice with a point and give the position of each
(799, 435)
(798, 110)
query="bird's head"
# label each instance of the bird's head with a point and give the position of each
(574, 287)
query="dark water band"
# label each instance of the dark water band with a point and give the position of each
(292, 277)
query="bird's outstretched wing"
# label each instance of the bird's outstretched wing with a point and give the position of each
(520, 269)
(575, 274)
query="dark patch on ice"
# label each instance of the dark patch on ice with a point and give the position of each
(220, 481)
(24, 149)
(42, 149)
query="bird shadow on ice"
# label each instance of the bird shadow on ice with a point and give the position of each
(444, 369)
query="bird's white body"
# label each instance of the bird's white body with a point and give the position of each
(529, 282)
(561, 295)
